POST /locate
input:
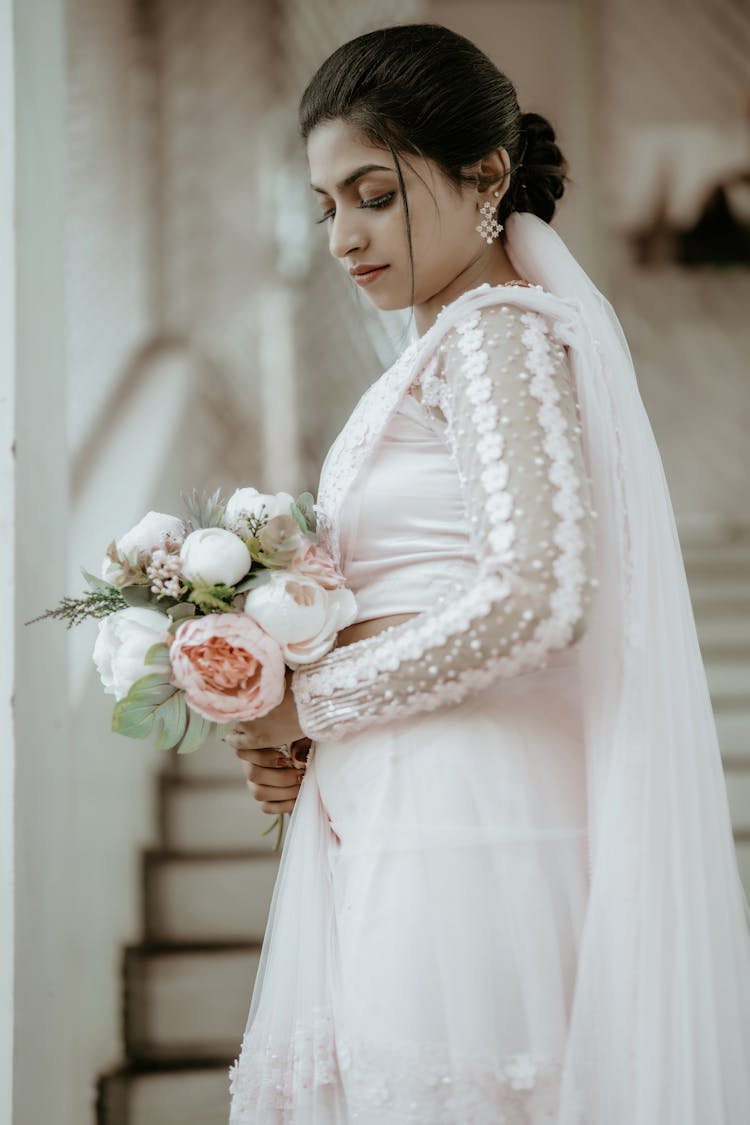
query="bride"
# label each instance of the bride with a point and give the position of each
(508, 892)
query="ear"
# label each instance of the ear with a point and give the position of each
(493, 174)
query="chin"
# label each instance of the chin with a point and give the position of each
(388, 301)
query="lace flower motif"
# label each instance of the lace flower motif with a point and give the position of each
(413, 1083)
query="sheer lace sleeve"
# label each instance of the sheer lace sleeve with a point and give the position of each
(502, 393)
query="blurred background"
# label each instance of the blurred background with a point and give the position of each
(171, 319)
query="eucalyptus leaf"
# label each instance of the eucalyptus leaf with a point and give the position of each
(157, 654)
(299, 517)
(134, 720)
(174, 716)
(305, 503)
(180, 610)
(151, 689)
(198, 730)
(98, 583)
(135, 715)
(137, 595)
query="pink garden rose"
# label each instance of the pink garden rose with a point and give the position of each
(228, 667)
(314, 562)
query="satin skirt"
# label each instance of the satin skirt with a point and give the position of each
(439, 914)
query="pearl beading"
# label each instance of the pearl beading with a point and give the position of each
(509, 414)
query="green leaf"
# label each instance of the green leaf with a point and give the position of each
(157, 654)
(305, 502)
(299, 517)
(137, 595)
(98, 583)
(216, 599)
(198, 730)
(135, 715)
(180, 610)
(132, 719)
(204, 510)
(174, 716)
(153, 688)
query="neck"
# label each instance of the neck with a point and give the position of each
(493, 267)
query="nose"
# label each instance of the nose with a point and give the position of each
(346, 235)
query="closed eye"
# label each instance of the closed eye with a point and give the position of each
(381, 201)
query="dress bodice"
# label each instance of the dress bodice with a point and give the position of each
(404, 527)
(500, 394)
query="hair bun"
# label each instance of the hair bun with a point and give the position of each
(540, 180)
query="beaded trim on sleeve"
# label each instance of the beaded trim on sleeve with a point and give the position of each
(354, 666)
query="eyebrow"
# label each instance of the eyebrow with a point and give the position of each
(355, 175)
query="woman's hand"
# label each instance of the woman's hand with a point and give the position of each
(279, 727)
(273, 779)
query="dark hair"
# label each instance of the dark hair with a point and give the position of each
(423, 89)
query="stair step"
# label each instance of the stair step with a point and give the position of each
(728, 678)
(719, 566)
(733, 728)
(187, 1001)
(712, 595)
(208, 897)
(738, 792)
(717, 634)
(213, 815)
(193, 1095)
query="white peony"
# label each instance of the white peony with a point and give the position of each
(123, 641)
(248, 502)
(213, 555)
(148, 534)
(300, 615)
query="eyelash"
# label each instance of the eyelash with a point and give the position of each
(381, 201)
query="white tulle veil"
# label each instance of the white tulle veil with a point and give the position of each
(660, 1024)
(660, 1031)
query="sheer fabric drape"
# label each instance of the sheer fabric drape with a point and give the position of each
(659, 1017)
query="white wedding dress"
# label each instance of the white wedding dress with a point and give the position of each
(438, 950)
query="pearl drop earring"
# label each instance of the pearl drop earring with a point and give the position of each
(489, 228)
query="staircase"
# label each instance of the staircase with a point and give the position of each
(187, 985)
(207, 889)
(718, 574)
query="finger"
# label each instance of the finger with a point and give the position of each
(267, 756)
(277, 807)
(273, 793)
(275, 778)
(245, 739)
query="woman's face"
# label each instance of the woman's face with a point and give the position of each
(366, 222)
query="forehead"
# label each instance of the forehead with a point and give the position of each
(335, 150)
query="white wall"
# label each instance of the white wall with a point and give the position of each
(7, 562)
(44, 989)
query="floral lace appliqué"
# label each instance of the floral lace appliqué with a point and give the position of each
(407, 1084)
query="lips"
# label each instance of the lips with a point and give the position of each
(360, 271)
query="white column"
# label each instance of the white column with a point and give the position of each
(45, 1008)
(7, 567)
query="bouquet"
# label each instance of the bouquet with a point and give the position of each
(200, 618)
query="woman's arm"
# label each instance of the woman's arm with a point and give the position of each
(503, 393)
